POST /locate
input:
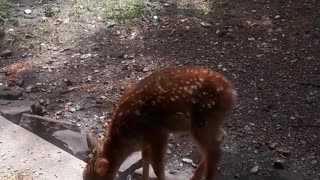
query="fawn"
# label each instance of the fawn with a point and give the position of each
(191, 100)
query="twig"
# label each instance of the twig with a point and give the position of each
(309, 84)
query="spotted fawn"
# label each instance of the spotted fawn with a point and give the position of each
(190, 100)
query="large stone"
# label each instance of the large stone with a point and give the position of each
(10, 93)
(64, 135)
(130, 165)
(24, 155)
(13, 110)
(73, 142)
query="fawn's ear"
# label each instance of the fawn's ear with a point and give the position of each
(94, 143)
(101, 167)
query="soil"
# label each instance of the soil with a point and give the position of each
(268, 49)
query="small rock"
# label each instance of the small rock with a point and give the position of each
(283, 151)
(314, 161)
(28, 36)
(278, 164)
(85, 56)
(273, 145)
(205, 24)
(27, 11)
(303, 142)
(146, 69)
(169, 151)
(255, 170)
(166, 4)
(277, 17)
(251, 39)
(247, 128)
(187, 160)
(6, 53)
(221, 33)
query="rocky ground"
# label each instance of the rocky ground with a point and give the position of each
(76, 66)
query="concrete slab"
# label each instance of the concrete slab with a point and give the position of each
(25, 156)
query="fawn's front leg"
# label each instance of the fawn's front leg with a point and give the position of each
(146, 155)
(158, 144)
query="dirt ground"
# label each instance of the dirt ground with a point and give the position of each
(269, 49)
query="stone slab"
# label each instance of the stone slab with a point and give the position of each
(24, 155)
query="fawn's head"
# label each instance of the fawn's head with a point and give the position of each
(97, 166)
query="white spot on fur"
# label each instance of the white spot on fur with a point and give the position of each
(194, 87)
(219, 89)
(137, 112)
(120, 114)
(201, 79)
(172, 99)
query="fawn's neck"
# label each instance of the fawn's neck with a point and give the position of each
(115, 151)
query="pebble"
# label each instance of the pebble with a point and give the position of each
(27, 11)
(255, 170)
(187, 160)
(277, 17)
(284, 151)
(205, 24)
(278, 164)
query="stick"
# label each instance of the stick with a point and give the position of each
(309, 84)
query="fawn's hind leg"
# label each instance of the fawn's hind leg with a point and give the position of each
(146, 156)
(210, 149)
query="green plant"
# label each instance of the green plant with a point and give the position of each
(3, 17)
(125, 9)
(3, 11)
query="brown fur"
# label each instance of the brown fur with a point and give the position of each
(189, 100)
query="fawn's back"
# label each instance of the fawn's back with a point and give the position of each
(176, 99)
